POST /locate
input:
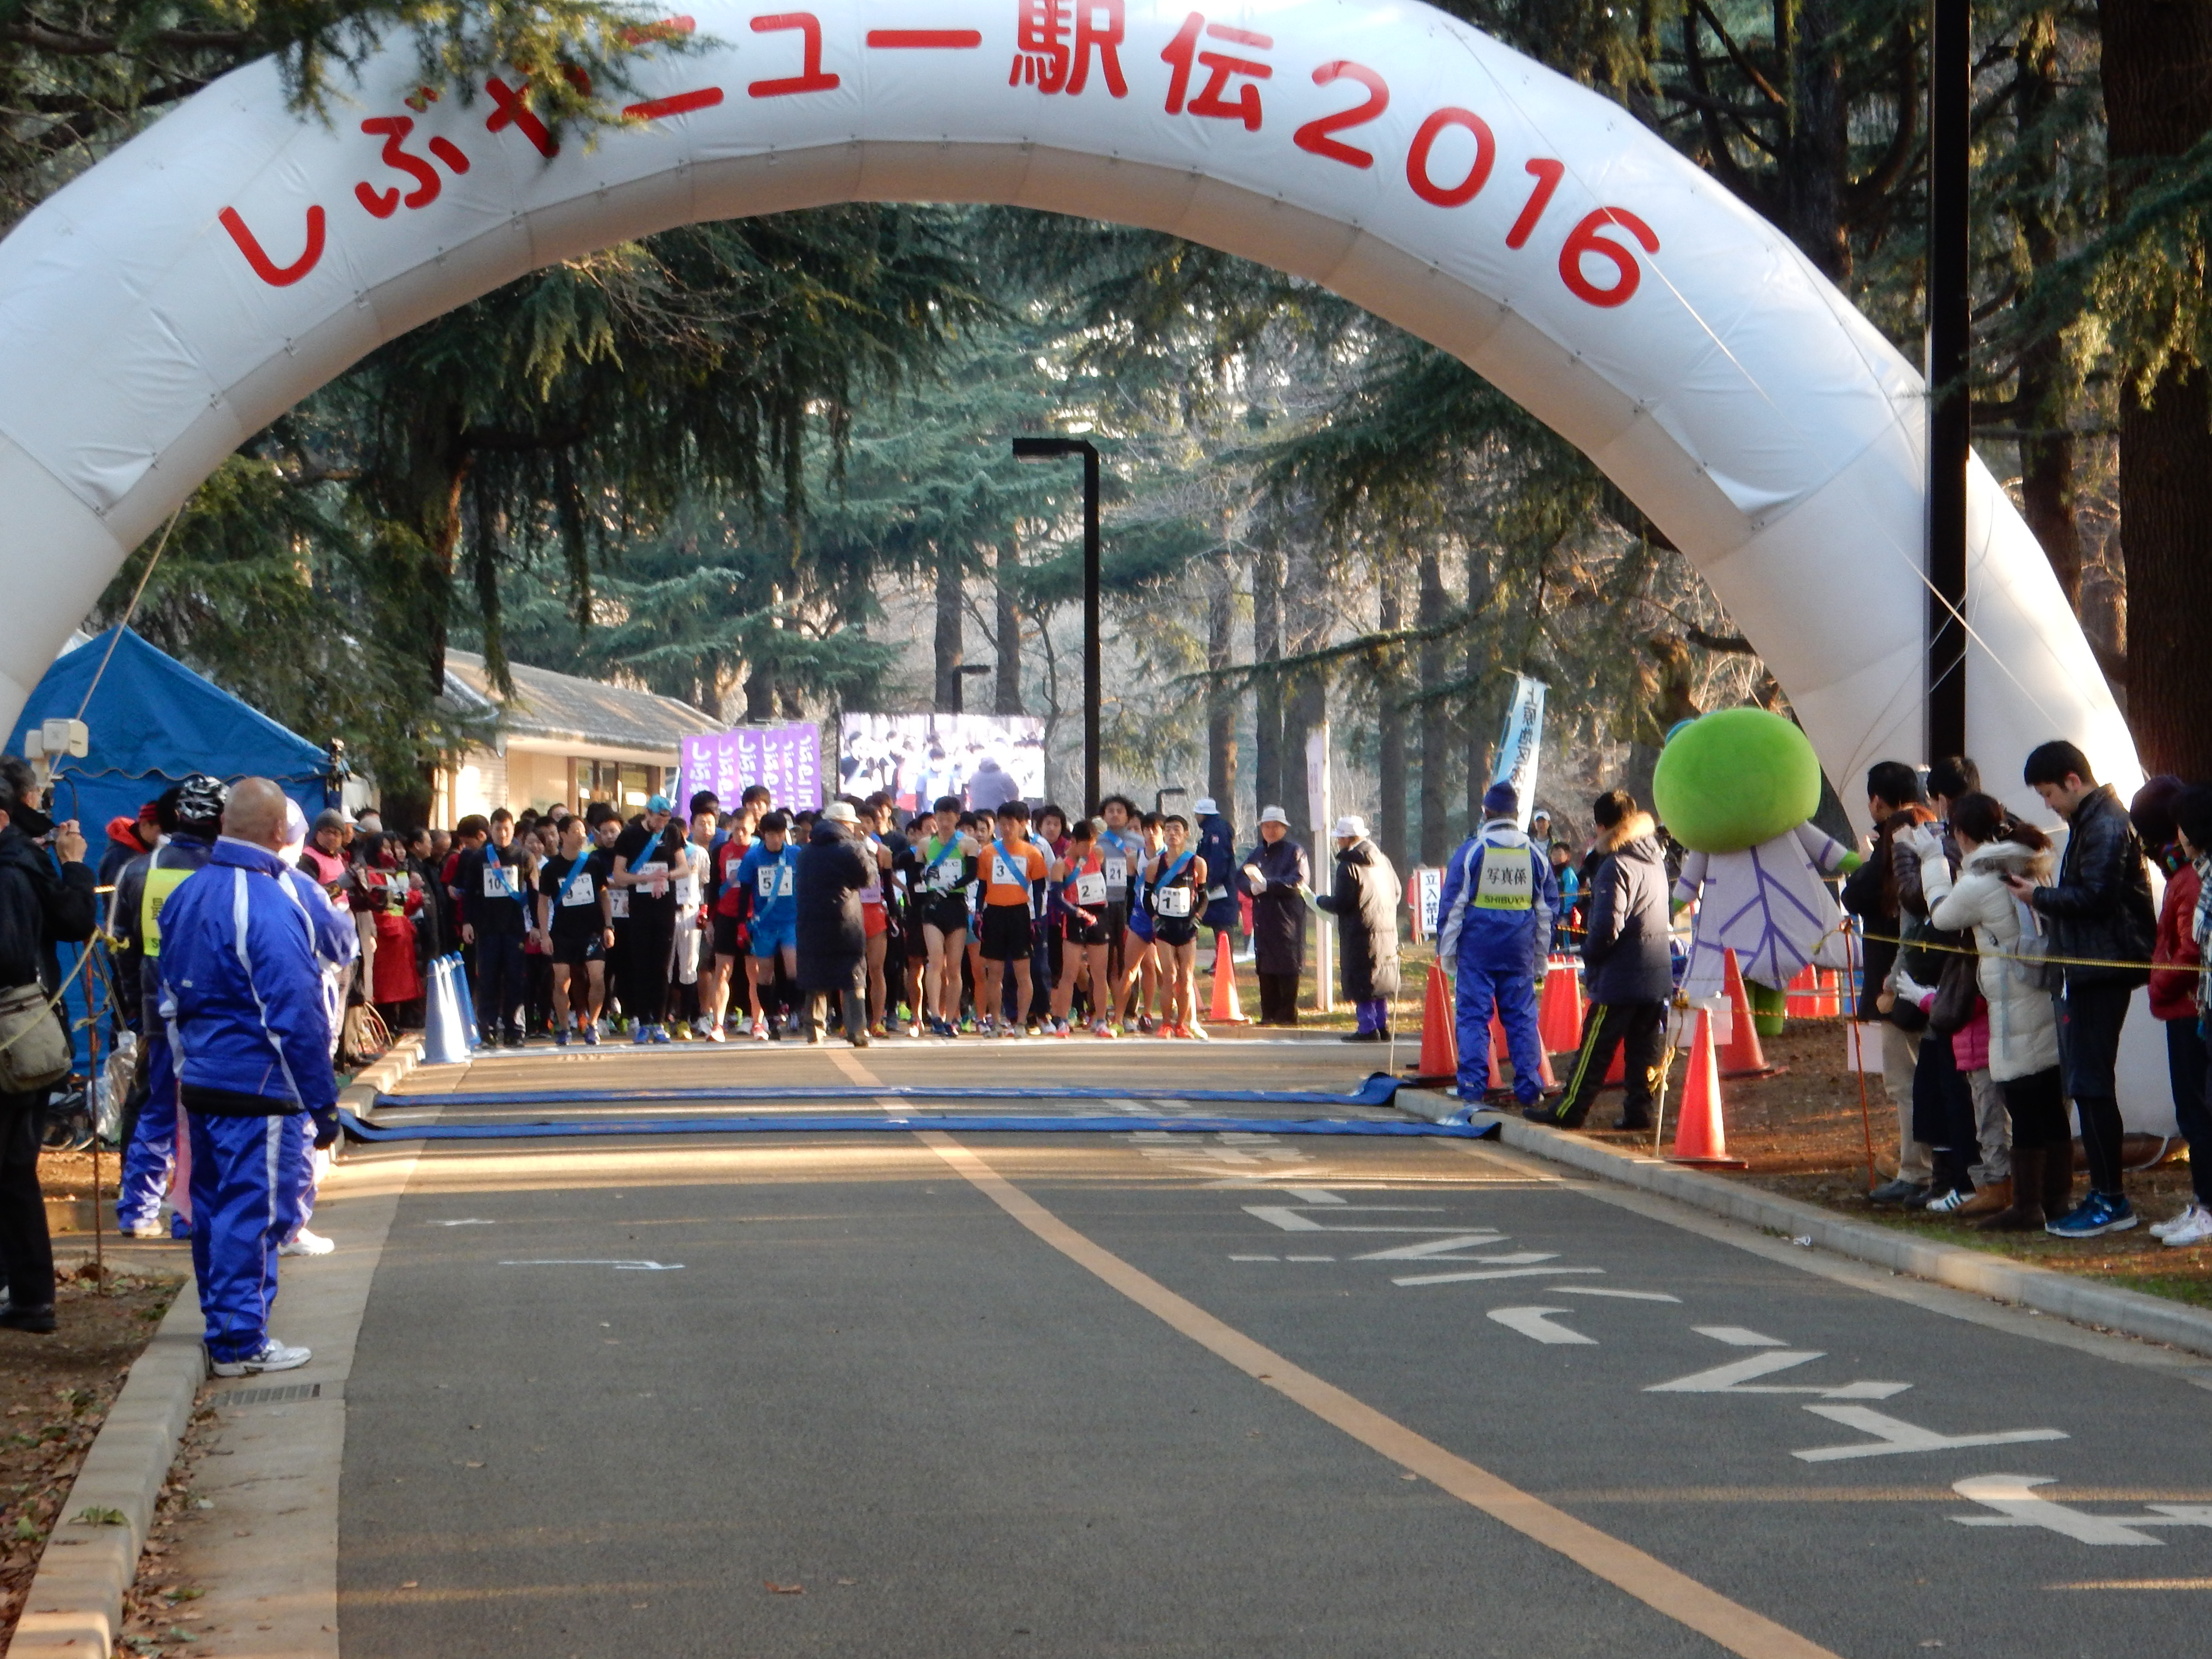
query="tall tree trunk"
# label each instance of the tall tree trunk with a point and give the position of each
(1009, 699)
(2158, 102)
(948, 630)
(1267, 770)
(1436, 719)
(1390, 716)
(2046, 447)
(1305, 696)
(1479, 664)
(1220, 700)
(1816, 161)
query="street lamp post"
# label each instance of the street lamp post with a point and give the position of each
(1046, 449)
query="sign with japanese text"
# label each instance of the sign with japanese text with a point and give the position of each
(786, 758)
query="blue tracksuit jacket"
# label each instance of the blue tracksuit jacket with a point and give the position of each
(1497, 935)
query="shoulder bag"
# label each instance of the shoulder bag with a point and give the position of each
(34, 1050)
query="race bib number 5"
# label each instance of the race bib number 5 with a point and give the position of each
(1508, 881)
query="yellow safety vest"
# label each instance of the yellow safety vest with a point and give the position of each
(1506, 880)
(159, 884)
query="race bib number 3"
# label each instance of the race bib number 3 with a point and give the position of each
(1006, 875)
(1508, 881)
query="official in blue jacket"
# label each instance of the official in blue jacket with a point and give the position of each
(1494, 921)
(242, 995)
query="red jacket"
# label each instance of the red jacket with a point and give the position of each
(2173, 990)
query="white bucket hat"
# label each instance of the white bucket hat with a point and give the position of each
(1204, 806)
(1273, 815)
(841, 811)
(1352, 826)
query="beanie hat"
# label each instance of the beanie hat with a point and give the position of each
(1501, 798)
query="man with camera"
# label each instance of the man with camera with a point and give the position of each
(39, 908)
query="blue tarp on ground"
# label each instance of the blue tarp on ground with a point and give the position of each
(152, 721)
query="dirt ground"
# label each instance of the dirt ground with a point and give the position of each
(54, 1395)
(1803, 1135)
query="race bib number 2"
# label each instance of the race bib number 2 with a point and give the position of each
(1508, 881)
(1091, 888)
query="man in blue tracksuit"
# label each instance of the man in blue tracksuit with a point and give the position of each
(1494, 920)
(242, 993)
(191, 821)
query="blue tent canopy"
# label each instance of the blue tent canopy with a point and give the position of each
(153, 721)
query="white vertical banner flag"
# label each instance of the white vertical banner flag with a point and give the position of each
(1518, 750)
(1318, 812)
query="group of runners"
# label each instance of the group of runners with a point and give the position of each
(993, 922)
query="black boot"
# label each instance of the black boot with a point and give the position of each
(2026, 1213)
(2058, 1179)
(38, 1320)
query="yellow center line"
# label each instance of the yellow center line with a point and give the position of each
(1649, 1580)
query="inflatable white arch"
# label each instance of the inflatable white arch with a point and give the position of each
(236, 255)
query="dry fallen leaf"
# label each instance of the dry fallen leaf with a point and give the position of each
(410, 1583)
(475, 1466)
(774, 1589)
(848, 1581)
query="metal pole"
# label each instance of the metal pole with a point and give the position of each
(1090, 649)
(1949, 406)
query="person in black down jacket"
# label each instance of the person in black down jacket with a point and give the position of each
(2099, 910)
(38, 910)
(832, 934)
(1624, 964)
(1365, 906)
(1276, 875)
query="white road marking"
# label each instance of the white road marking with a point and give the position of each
(1293, 1219)
(1731, 1378)
(630, 1266)
(1536, 1323)
(1316, 1195)
(1893, 1436)
(1625, 1296)
(1308, 1258)
(470, 1221)
(1492, 1273)
(1435, 1248)
(2018, 1505)
(1737, 1336)
(1255, 1258)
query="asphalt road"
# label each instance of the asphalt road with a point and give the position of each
(858, 1405)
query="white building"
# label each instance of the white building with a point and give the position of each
(563, 740)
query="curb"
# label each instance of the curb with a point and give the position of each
(2130, 1313)
(359, 1097)
(75, 1609)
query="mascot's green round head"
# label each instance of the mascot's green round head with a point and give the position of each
(1735, 778)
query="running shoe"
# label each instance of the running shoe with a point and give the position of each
(1102, 1028)
(2194, 1227)
(271, 1356)
(713, 1034)
(304, 1242)
(561, 1038)
(1034, 1029)
(914, 1029)
(591, 1036)
(760, 1030)
(2174, 1222)
(2098, 1214)
(1196, 1032)
(640, 1036)
(1145, 1025)
(1956, 1199)
(660, 1034)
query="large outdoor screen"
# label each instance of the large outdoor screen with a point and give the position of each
(987, 759)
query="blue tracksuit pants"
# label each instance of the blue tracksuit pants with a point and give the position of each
(151, 1156)
(245, 1202)
(1512, 991)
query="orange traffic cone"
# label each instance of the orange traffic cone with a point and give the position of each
(1439, 1061)
(1829, 1003)
(1617, 1073)
(1700, 1138)
(1561, 1018)
(1804, 994)
(1501, 1048)
(1225, 1010)
(1741, 1056)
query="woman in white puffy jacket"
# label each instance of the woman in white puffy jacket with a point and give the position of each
(2023, 1023)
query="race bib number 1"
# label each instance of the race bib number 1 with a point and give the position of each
(1508, 881)
(1173, 901)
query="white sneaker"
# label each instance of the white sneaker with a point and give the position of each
(2175, 1223)
(272, 1356)
(156, 1228)
(304, 1242)
(2194, 1228)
